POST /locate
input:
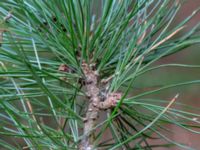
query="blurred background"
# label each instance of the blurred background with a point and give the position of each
(189, 95)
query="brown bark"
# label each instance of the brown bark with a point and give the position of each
(92, 111)
(94, 106)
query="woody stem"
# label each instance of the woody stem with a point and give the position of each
(92, 110)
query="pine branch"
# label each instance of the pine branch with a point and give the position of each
(91, 80)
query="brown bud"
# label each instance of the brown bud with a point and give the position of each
(85, 119)
(64, 68)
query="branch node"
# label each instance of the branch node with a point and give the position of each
(110, 101)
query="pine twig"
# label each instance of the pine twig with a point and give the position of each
(92, 110)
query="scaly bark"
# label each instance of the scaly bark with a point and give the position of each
(91, 81)
(94, 106)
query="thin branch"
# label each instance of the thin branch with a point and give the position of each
(92, 110)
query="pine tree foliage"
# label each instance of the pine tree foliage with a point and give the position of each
(45, 46)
